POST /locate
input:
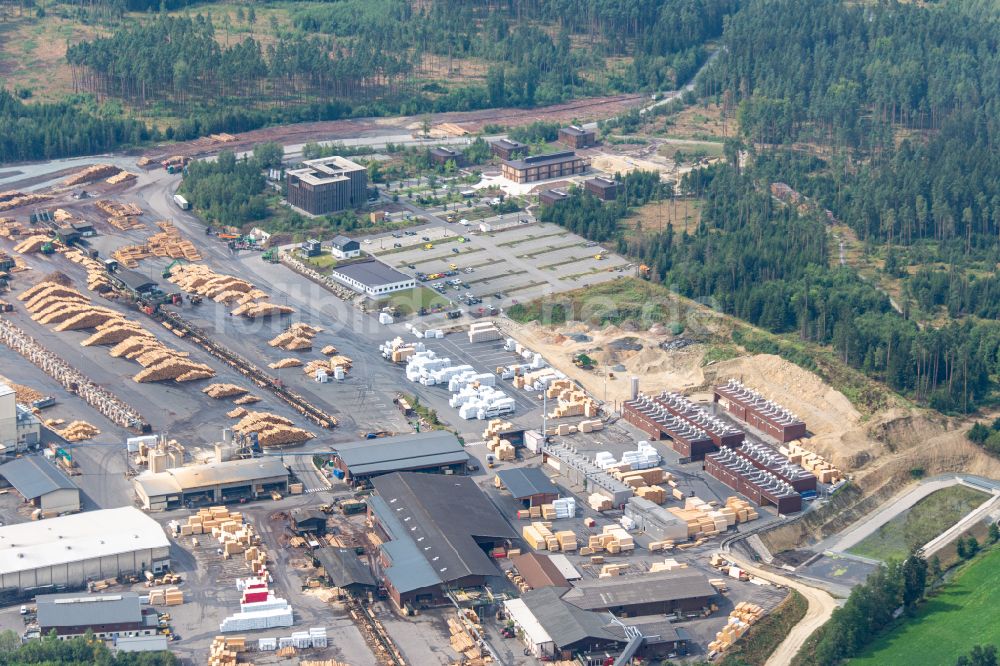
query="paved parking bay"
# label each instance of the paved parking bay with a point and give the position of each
(522, 262)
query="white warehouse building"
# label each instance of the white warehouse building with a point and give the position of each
(72, 550)
(373, 278)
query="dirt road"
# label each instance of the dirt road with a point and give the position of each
(821, 607)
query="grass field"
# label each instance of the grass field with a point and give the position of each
(411, 300)
(961, 615)
(922, 522)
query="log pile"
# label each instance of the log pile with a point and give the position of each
(121, 177)
(65, 309)
(10, 228)
(327, 365)
(22, 394)
(201, 280)
(97, 276)
(91, 173)
(285, 363)
(246, 400)
(118, 209)
(297, 337)
(77, 431)
(32, 244)
(219, 391)
(271, 429)
(14, 199)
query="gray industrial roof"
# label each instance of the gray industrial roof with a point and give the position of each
(34, 476)
(410, 570)
(134, 280)
(575, 130)
(344, 568)
(402, 452)
(442, 517)
(372, 273)
(643, 589)
(563, 622)
(523, 482)
(81, 610)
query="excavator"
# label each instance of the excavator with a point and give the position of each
(170, 267)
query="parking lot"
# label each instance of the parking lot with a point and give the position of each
(519, 263)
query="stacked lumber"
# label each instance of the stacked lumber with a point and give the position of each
(743, 510)
(91, 173)
(121, 177)
(246, 400)
(740, 620)
(271, 429)
(599, 502)
(219, 391)
(225, 649)
(97, 276)
(501, 448)
(165, 244)
(131, 255)
(125, 222)
(570, 400)
(613, 539)
(285, 363)
(669, 564)
(655, 494)
(77, 431)
(32, 244)
(462, 641)
(14, 199)
(118, 209)
(169, 243)
(234, 536)
(812, 462)
(237, 413)
(539, 535)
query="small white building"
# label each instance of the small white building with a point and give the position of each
(343, 247)
(373, 278)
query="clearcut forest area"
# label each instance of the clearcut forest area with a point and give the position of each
(187, 69)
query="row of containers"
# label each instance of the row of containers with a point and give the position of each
(758, 472)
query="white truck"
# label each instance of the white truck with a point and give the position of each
(181, 202)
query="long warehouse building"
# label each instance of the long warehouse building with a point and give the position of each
(67, 552)
(433, 451)
(757, 411)
(213, 483)
(650, 417)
